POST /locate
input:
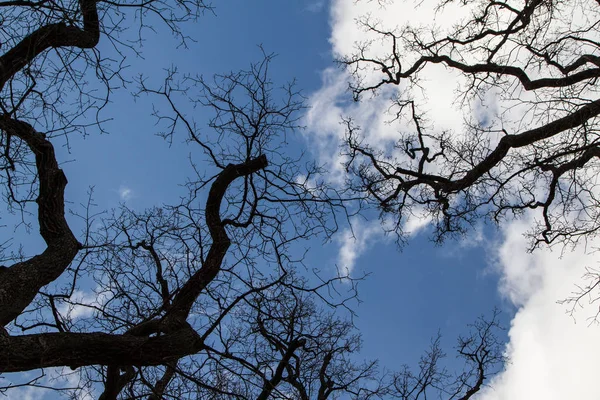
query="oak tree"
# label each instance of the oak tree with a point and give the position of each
(198, 299)
(527, 76)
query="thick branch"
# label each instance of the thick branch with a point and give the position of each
(51, 36)
(505, 144)
(116, 381)
(528, 84)
(485, 68)
(272, 383)
(22, 353)
(183, 301)
(161, 385)
(21, 282)
(529, 137)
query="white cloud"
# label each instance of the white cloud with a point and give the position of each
(354, 242)
(58, 378)
(373, 114)
(416, 223)
(552, 356)
(86, 302)
(27, 393)
(332, 102)
(125, 193)
(315, 6)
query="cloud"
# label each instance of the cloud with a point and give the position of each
(58, 378)
(362, 235)
(125, 193)
(28, 393)
(315, 6)
(378, 123)
(354, 242)
(552, 356)
(86, 302)
(332, 102)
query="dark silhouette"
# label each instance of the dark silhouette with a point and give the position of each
(199, 299)
(538, 150)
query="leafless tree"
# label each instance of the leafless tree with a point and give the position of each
(482, 352)
(193, 300)
(538, 149)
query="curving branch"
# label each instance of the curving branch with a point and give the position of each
(177, 338)
(27, 352)
(51, 36)
(22, 281)
(539, 156)
(183, 301)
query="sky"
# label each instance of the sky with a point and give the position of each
(412, 292)
(552, 355)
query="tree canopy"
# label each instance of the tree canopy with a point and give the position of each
(209, 297)
(527, 72)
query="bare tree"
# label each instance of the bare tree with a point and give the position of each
(483, 357)
(194, 300)
(152, 267)
(539, 62)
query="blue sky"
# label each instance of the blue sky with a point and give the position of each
(410, 293)
(552, 355)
